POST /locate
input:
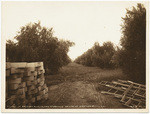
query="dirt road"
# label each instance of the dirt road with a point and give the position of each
(77, 87)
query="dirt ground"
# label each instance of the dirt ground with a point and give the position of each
(76, 86)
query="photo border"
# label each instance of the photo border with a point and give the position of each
(3, 79)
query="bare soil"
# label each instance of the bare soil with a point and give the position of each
(77, 86)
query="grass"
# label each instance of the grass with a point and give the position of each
(77, 85)
(75, 72)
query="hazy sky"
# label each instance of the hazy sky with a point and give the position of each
(81, 22)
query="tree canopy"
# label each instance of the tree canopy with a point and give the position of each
(37, 43)
(133, 43)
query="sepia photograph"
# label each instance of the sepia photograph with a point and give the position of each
(75, 56)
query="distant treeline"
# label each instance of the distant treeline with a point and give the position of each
(36, 43)
(131, 57)
(99, 56)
